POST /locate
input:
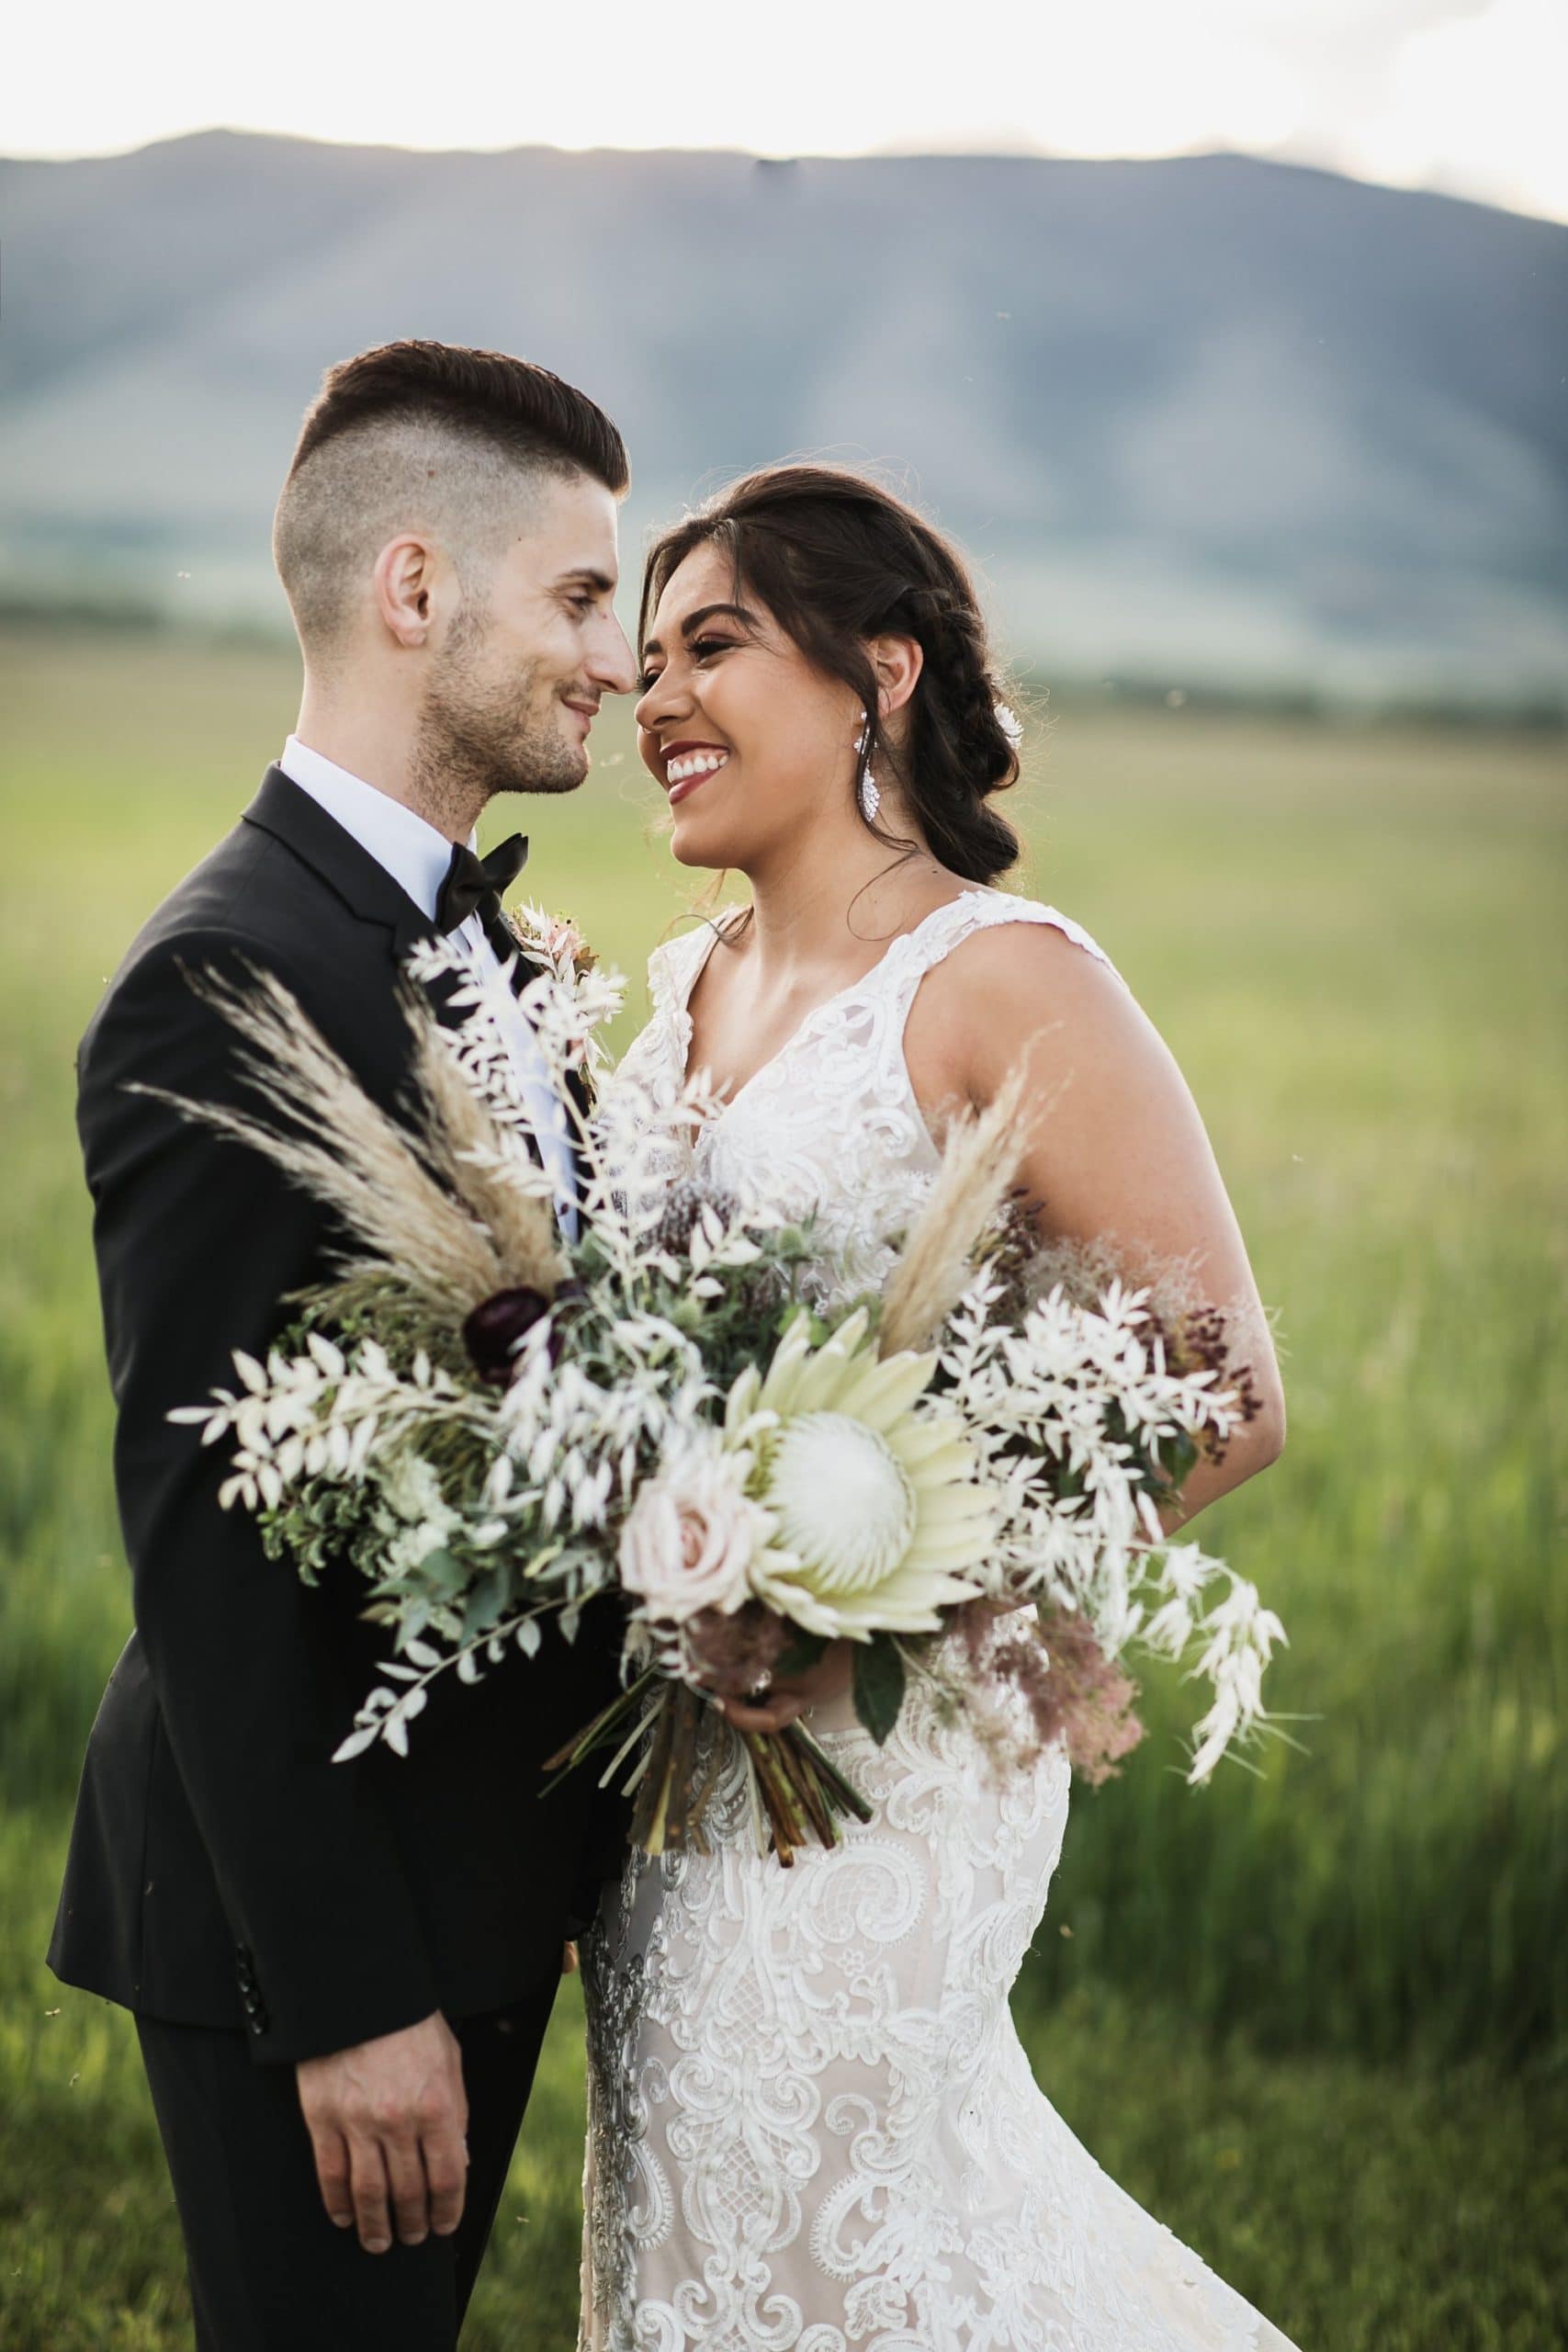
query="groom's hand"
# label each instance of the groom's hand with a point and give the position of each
(386, 2120)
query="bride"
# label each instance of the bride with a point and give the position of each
(812, 2126)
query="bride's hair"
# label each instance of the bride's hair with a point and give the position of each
(836, 559)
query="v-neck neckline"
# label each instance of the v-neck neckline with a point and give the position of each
(812, 1014)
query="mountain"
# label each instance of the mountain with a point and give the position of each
(1204, 420)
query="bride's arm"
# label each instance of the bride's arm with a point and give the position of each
(1119, 1153)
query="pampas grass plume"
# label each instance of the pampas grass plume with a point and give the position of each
(354, 1157)
(466, 1147)
(979, 1164)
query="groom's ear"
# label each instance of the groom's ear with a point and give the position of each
(896, 663)
(405, 586)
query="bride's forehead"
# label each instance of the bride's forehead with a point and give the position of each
(704, 577)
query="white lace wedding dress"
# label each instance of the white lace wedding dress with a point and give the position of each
(811, 2124)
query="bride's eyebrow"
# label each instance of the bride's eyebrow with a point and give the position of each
(694, 622)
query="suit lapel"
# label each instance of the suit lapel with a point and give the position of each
(368, 892)
(372, 895)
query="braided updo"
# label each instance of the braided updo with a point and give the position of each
(836, 560)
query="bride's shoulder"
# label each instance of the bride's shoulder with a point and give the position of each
(986, 934)
(1014, 976)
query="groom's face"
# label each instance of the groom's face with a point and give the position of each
(529, 654)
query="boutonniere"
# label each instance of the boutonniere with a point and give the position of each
(552, 941)
(555, 947)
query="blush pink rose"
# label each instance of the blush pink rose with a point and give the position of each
(690, 1538)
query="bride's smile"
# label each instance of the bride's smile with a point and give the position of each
(684, 770)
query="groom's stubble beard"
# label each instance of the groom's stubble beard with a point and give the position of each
(482, 729)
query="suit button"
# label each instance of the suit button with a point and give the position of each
(250, 1991)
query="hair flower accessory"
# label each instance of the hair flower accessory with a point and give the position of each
(1010, 724)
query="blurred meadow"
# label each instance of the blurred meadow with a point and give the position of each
(1315, 2017)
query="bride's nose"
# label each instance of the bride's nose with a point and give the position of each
(659, 701)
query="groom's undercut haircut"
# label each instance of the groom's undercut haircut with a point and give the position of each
(432, 438)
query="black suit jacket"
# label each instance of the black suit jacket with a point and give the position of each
(222, 1869)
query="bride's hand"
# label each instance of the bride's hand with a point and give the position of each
(791, 1694)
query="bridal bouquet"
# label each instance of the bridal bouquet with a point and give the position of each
(491, 1427)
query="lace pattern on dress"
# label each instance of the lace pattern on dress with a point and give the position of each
(830, 1124)
(812, 2127)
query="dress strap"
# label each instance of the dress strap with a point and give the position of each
(931, 942)
(673, 966)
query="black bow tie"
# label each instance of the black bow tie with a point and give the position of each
(471, 881)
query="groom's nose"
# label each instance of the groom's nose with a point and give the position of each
(610, 662)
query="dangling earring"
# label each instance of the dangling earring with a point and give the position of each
(867, 790)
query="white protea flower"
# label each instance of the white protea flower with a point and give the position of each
(869, 1483)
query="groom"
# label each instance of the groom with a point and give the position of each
(341, 1973)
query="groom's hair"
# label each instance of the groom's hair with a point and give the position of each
(430, 437)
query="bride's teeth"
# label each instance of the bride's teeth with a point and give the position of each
(699, 763)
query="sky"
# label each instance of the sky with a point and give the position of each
(1461, 96)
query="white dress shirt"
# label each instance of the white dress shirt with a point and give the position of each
(417, 856)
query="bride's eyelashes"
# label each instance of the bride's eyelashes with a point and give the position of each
(699, 650)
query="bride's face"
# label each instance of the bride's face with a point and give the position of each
(749, 742)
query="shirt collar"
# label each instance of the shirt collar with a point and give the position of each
(411, 850)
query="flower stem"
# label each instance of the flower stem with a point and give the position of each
(799, 1789)
(603, 1728)
(843, 1792)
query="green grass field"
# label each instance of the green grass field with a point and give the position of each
(1315, 2019)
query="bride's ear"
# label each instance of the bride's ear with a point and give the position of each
(896, 663)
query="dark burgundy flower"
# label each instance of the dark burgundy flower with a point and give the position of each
(497, 1328)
